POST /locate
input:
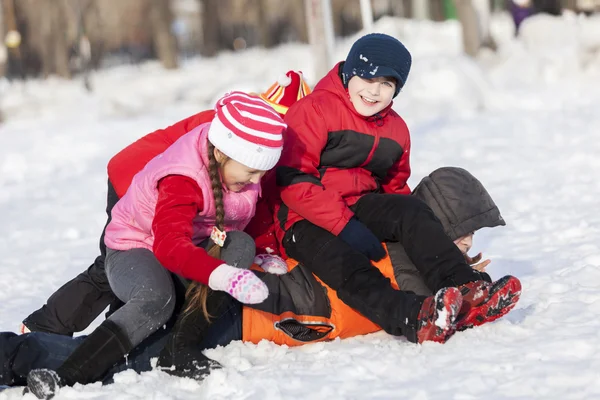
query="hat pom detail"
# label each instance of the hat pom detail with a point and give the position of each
(285, 80)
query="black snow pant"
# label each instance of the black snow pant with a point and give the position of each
(78, 302)
(392, 218)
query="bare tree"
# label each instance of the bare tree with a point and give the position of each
(58, 41)
(474, 20)
(436, 9)
(470, 26)
(420, 9)
(298, 15)
(165, 43)
(570, 4)
(15, 53)
(45, 44)
(83, 47)
(3, 49)
(52, 38)
(211, 27)
(279, 21)
(264, 25)
(320, 34)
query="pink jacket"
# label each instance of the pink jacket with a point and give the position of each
(131, 224)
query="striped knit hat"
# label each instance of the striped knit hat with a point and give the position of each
(286, 91)
(247, 130)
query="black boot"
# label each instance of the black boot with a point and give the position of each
(101, 350)
(187, 363)
(182, 355)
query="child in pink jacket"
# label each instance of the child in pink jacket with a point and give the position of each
(184, 213)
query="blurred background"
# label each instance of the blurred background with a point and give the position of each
(106, 58)
(70, 37)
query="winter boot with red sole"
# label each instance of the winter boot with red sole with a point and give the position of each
(485, 302)
(437, 317)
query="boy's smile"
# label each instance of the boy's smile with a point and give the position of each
(370, 96)
(368, 100)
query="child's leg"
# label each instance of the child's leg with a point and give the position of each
(351, 274)
(140, 281)
(146, 288)
(75, 304)
(140, 358)
(193, 333)
(19, 354)
(409, 221)
(78, 302)
(407, 275)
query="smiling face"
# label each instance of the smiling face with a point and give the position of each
(370, 96)
(235, 175)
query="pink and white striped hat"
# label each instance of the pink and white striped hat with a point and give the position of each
(246, 129)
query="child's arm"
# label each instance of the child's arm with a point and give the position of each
(179, 200)
(397, 178)
(297, 176)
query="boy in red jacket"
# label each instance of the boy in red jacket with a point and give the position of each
(78, 302)
(342, 178)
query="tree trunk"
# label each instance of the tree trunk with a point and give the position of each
(211, 27)
(483, 10)
(54, 44)
(420, 9)
(3, 49)
(298, 16)
(317, 36)
(470, 26)
(398, 8)
(570, 4)
(164, 41)
(436, 9)
(264, 27)
(61, 42)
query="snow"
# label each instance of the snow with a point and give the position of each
(524, 121)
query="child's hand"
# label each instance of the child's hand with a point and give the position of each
(242, 284)
(482, 265)
(475, 264)
(271, 264)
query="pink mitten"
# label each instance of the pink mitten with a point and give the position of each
(271, 264)
(240, 283)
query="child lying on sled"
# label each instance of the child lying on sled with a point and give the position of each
(299, 310)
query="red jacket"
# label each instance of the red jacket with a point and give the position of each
(333, 155)
(179, 200)
(129, 161)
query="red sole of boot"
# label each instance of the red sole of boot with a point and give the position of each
(503, 298)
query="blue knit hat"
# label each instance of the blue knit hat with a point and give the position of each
(378, 54)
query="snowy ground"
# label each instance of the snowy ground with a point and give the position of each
(524, 121)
